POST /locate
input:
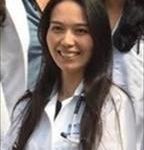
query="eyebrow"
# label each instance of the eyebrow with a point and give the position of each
(76, 24)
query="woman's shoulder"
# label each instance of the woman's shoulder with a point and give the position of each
(117, 100)
(118, 94)
(20, 109)
(23, 102)
(118, 120)
(16, 121)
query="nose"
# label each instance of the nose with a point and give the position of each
(68, 39)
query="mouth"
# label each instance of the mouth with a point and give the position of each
(68, 54)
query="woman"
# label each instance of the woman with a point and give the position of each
(74, 105)
(128, 38)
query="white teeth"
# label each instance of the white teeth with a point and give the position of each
(68, 54)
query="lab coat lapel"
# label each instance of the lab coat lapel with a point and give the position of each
(17, 12)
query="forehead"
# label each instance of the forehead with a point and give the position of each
(68, 11)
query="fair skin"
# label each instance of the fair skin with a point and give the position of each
(42, 3)
(70, 44)
(114, 9)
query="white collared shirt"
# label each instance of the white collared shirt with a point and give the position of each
(47, 135)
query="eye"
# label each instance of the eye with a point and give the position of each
(56, 28)
(81, 31)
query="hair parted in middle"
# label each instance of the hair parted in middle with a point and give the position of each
(97, 76)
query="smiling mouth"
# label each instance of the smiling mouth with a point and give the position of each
(69, 54)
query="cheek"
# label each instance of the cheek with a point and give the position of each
(50, 41)
(88, 46)
(90, 43)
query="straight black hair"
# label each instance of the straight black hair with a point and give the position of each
(2, 12)
(97, 77)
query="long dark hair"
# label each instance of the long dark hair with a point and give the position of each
(2, 12)
(97, 77)
(131, 26)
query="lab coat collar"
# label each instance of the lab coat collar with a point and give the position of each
(77, 91)
(53, 99)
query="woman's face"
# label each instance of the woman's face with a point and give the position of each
(68, 38)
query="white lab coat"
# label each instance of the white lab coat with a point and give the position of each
(47, 135)
(14, 42)
(128, 73)
(4, 119)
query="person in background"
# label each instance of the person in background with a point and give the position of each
(14, 41)
(127, 24)
(4, 116)
(74, 104)
(33, 10)
(17, 35)
(19, 72)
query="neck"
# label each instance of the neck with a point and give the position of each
(42, 3)
(114, 9)
(69, 83)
